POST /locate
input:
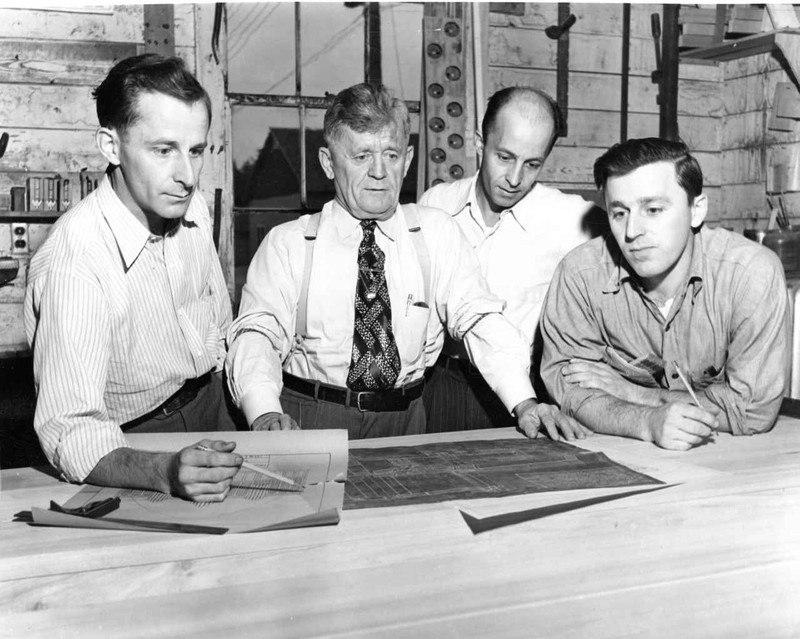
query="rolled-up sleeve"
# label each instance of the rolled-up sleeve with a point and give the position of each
(472, 313)
(569, 330)
(68, 326)
(758, 348)
(261, 337)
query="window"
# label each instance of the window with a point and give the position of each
(276, 177)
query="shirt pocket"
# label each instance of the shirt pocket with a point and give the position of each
(411, 333)
(635, 374)
(707, 377)
(197, 316)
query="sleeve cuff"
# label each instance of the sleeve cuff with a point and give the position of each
(255, 404)
(77, 455)
(515, 391)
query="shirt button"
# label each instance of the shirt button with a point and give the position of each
(675, 375)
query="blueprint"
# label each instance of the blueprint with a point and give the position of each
(316, 460)
(464, 470)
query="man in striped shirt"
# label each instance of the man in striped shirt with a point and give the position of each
(126, 307)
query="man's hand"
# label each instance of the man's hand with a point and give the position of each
(680, 426)
(601, 376)
(274, 421)
(205, 476)
(531, 416)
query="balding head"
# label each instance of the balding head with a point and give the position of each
(519, 130)
(534, 105)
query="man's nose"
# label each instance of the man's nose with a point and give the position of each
(377, 168)
(633, 225)
(183, 170)
(514, 176)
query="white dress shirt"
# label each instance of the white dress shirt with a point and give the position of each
(519, 254)
(118, 320)
(262, 339)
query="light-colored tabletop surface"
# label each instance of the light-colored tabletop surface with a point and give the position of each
(716, 555)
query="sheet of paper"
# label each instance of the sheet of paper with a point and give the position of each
(471, 469)
(315, 459)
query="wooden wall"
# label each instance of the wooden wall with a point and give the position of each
(50, 60)
(752, 153)
(520, 52)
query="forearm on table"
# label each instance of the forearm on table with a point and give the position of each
(130, 468)
(611, 416)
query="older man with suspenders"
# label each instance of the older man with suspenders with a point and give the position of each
(345, 309)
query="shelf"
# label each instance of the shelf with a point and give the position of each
(743, 47)
(30, 215)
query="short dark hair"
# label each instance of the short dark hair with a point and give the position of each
(118, 94)
(524, 94)
(365, 107)
(624, 157)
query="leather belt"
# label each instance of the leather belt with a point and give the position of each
(174, 402)
(458, 364)
(395, 399)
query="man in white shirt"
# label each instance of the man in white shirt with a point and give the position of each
(343, 310)
(519, 230)
(126, 308)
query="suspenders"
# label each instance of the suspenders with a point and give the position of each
(420, 247)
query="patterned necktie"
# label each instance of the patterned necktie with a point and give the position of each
(375, 362)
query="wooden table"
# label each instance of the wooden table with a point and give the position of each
(717, 555)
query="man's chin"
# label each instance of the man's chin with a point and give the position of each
(505, 200)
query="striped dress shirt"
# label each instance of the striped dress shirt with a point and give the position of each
(118, 319)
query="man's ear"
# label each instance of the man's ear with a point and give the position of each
(409, 157)
(479, 146)
(326, 161)
(699, 210)
(107, 141)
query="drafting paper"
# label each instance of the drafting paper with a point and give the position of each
(315, 459)
(471, 469)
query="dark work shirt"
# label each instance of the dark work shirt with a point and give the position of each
(727, 328)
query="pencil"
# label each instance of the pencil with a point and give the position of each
(256, 469)
(688, 387)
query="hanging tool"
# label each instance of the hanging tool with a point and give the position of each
(560, 32)
(555, 31)
(655, 29)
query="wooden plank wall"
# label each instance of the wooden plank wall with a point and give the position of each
(50, 60)
(751, 151)
(521, 53)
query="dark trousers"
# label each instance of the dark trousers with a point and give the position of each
(458, 398)
(209, 411)
(310, 413)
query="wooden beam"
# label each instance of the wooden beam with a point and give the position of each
(741, 48)
(212, 63)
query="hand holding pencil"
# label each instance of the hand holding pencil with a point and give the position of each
(689, 389)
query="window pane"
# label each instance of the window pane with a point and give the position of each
(401, 47)
(260, 47)
(332, 38)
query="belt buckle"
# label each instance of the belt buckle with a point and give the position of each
(171, 407)
(358, 400)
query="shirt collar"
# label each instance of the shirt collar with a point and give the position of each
(471, 208)
(347, 225)
(623, 272)
(129, 233)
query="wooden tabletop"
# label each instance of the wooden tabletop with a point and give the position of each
(715, 555)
